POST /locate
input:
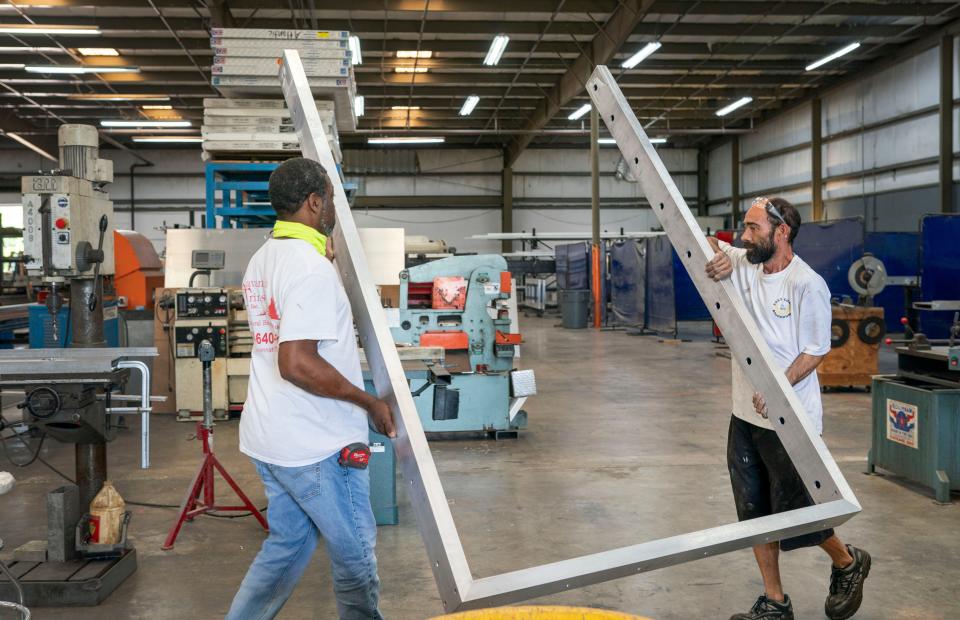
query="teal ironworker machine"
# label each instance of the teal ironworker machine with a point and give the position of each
(461, 304)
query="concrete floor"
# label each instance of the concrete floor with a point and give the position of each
(626, 444)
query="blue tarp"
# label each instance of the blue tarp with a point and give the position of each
(939, 269)
(628, 267)
(830, 248)
(573, 265)
(661, 296)
(900, 253)
(573, 262)
(690, 306)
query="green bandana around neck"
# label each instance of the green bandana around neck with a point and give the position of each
(296, 230)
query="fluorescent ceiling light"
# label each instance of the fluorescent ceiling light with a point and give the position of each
(157, 107)
(411, 69)
(25, 29)
(406, 140)
(355, 57)
(167, 139)
(145, 123)
(414, 54)
(75, 69)
(97, 51)
(837, 54)
(115, 97)
(496, 49)
(11, 65)
(640, 56)
(30, 145)
(404, 107)
(580, 112)
(358, 105)
(739, 103)
(612, 141)
(469, 105)
(30, 50)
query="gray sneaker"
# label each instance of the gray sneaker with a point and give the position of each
(846, 586)
(768, 609)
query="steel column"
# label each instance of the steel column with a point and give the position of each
(734, 181)
(506, 211)
(816, 158)
(702, 182)
(595, 253)
(946, 125)
(90, 460)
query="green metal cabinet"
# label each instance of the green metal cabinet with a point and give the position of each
(383, 474)
(916, 434)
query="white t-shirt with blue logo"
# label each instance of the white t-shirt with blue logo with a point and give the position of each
(792, 310)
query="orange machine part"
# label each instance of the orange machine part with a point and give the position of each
(451, 341)
(597, 286)
(506, 283)
(138, 268)
(502, 338)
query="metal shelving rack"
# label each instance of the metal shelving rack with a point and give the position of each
(236, 194)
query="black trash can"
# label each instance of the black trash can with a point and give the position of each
(574, 307)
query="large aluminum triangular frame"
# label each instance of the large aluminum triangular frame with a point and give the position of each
(835, 502)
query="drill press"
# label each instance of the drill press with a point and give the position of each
(69, 394)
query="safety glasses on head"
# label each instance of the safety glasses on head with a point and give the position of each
(763, 201)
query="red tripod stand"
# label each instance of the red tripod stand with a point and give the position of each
(203, 481)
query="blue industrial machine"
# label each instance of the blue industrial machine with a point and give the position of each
(475, 388)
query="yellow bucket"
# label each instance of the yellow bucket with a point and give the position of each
(540, 612)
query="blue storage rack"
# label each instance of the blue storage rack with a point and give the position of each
(237, 194)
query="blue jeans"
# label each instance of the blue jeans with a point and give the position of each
(324, 498)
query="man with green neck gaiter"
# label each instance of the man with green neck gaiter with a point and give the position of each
(305, 403)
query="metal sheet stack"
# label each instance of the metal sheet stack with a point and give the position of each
(234, 127)
(245, 67)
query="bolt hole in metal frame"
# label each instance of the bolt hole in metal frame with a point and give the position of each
(459, 590)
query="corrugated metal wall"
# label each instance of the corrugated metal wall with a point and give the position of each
(880, 148)
(551, 190)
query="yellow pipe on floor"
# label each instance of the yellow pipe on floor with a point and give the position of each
(540, 612)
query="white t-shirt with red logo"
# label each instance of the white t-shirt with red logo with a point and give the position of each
(294, 293)
(792, 310)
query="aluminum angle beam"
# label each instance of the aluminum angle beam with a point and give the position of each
(458, 589)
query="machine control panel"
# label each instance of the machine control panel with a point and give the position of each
(189, 338)
(202, 304)
(953, 359)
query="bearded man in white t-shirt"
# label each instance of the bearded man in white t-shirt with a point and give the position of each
(791, 305)
(305, 404)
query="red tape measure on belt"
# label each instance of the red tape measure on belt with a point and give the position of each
(355, 455)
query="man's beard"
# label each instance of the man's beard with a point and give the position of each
(758, 253)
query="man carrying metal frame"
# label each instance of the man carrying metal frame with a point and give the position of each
(791, 305)
(305, 420)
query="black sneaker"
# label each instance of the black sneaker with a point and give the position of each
(768, 609)
(846, 586)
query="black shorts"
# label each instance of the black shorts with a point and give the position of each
(764, 479)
